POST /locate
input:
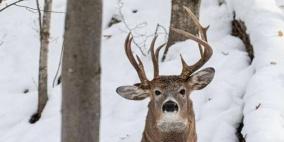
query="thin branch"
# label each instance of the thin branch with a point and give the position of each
(35, 9)
(9, 5)
(58, 68)
(39, 18)
(130, 29)
(157, 28)
(141, 45)
(157, 33)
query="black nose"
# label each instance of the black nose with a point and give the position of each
(170, 106)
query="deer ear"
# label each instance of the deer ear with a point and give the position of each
(132, 92)
(201, 79)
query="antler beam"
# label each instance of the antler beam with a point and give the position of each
(205, 55)
(138, 67)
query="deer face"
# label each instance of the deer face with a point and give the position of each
(169, 103)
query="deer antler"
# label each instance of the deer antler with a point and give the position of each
(186, 70)
(205, 55)
(155, 57)
(138, 67)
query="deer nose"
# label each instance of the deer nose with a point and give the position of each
(170, 106)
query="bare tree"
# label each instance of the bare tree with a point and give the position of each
(81, 71)
(44, 26)
(180, 20)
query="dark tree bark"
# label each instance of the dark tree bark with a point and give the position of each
(239, 132)
(239, 30)
(44, 25)
(81, 71)
(181, 20)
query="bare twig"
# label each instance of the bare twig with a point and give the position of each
(34, 10)
(140, 45)
(9, 5)
(158, 27)
(31, 9)
(258, 106)
(130, 29)
(39, 18)
(58, 68)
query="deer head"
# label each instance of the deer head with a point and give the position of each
(170, 106)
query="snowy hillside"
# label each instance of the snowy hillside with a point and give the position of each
(264, 107)
(19, 55)
(238, 89)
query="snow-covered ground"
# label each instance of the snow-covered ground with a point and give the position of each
(19, 56)
(238, 87)
(264, 107)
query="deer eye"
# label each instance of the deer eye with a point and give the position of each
(182, 91)
(157, 92)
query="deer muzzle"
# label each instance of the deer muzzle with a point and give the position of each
(170, 106)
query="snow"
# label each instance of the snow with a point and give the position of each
(19, 56)
(238, 88)
(264, 109)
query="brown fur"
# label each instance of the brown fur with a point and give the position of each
(163, 126)
(170, 116)
(152, 134)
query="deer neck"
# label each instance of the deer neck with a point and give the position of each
(153, 134)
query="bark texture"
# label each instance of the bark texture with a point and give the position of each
(181, 20)
(239, 30)
(81, 71)
(44, 25)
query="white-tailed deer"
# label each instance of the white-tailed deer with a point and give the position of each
(170, 116)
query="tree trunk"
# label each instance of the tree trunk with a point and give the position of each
(81, 71)
(44, 25)
(181, 20)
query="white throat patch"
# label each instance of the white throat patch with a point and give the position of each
(171, 122)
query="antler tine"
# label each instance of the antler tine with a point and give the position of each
(155, 56)
(185, 69)
(154, 59)
(139, 68)
(200, 50)
(188, 70)
(201, 29)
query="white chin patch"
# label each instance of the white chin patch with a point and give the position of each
(171, 122)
